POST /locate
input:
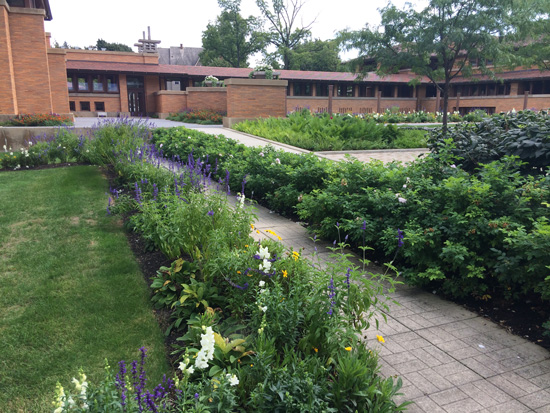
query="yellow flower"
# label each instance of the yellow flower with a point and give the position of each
(285, 274)
(348, 348)
(295, 255)
(238, 272)
(257, 231)
(246, 246)
(380, 339)
(316, 349)
(252, 226)
(252, 365)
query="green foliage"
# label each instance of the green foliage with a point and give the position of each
(232, 39)
(325, 132)
(316, 55)
(523, 134)
(283, 32)
(113, 47)
(448, 38)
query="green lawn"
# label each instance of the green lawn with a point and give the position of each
(71, 293)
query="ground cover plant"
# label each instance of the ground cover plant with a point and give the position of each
(477, 235)
(202, 116)
(326, 132)
(71, 293)
(38, 119)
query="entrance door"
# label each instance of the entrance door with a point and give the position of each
(136, 96)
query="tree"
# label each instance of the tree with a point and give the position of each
(282, 33)
(317, 55)
(114, 47)
(232, 39)
(447, 39)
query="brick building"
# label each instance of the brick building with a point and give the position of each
(35, 78)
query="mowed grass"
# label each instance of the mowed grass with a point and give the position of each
(71, 292)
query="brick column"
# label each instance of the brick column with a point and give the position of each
(254, 98)
(8, 97)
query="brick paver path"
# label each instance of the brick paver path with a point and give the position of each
(450, 359)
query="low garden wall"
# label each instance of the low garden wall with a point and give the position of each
(16, 137)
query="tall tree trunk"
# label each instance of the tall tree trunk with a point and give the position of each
(445, 106)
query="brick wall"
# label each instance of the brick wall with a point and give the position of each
(111, 101)
(123, 94)
(214, 98)
(500, 103)
(30, 61)
(8, 101)
(170, 101)
(252, 98)
(349, 105)
(58, 81)
(106, 56)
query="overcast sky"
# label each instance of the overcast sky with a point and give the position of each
(176, 22)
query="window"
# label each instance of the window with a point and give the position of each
(72, 106)
(85, 106)
(97, 82)
(112, 83)
(387, 91)
(404, 91)
(322, 89)
(83, 84)
(366, 91)
(16, 3)
(99, 106)
(134, 82)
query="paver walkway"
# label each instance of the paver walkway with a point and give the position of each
(450, 359)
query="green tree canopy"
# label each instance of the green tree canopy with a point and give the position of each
(317, 55)
(231, 39)
(283, 33)
(449, 38)
(113, 47)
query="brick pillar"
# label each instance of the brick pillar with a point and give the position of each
(458, 102)
(314, 89)
(123, 95)
(356, 91)
(254, 98)
(437, 99)
(514, 88)
(378, 101)
(525, 100)
(8, 96)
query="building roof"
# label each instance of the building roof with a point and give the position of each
(228, 72)
(523, 74)
(183, 56)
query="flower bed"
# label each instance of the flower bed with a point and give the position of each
(470, 235)
(37, 119)
(258, 327)
(203, 116)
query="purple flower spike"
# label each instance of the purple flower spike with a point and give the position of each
(196, 395)
(210, 213)
(364, 226)
(400, 236)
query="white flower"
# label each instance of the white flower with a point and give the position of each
(5, 149)
(206, 353)
(264, 253)
(11, 153)
(277, 160)
(264, 308)
(233, 379)
(160, 146)
(261, 153)
(453, 166)
(261, 283)
(405, 185)
(402, 200)
(262, 291)
(265, 266)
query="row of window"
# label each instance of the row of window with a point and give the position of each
(348, 90)
(92, 83)
(86, 107)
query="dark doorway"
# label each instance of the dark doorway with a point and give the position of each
(136, 96)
